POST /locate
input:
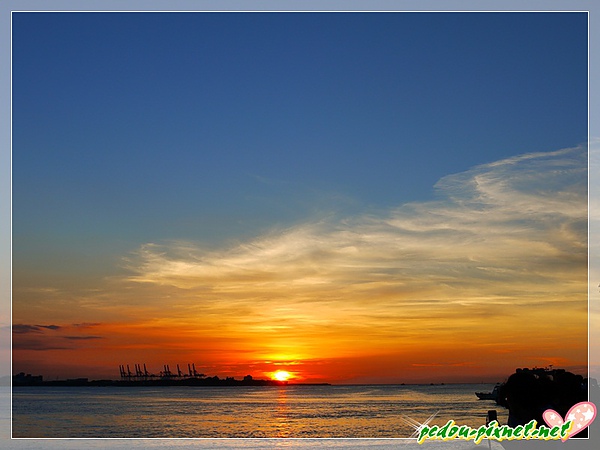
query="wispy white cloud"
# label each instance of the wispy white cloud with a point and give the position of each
(502, 247)
(513, 230)
(502, 243)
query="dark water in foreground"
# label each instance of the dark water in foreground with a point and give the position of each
(242, 412)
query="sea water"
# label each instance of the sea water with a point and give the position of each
(243, 412)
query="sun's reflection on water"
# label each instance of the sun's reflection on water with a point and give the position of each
(260, 412)
(282, 409)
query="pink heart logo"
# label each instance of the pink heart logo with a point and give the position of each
(581, 414)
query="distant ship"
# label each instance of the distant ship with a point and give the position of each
(493, 395)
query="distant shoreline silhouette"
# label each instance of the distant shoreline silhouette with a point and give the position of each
(23, 379)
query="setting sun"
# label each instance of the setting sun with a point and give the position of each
(282, 375)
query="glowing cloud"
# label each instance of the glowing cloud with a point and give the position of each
(514, 226)
(490, 275)
(506, 240)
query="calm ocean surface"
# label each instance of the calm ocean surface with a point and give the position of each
(242, 412)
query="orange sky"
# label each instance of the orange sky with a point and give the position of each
(465, 288)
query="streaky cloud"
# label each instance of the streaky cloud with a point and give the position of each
(514, 229)
(82, 338)
(505, 240)
(27, 328)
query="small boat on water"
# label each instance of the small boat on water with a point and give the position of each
(493, 395)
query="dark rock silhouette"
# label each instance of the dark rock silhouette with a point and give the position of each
(529, 392)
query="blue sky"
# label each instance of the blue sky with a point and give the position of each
(136, 127)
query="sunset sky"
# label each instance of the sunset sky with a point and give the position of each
(352, 198)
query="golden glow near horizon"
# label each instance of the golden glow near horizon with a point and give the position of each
(281, 375)
(490, 276)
